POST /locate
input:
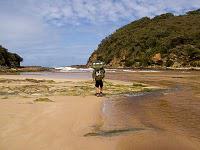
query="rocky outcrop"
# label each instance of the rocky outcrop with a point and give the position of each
(8, 59)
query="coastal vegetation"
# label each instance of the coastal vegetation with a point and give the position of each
(10, 63)
(163, 41)
(8, 59)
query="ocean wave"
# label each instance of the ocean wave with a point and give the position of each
(141, 71)
(110, 70)
(72, 69)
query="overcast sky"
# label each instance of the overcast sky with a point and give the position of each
(65, 32)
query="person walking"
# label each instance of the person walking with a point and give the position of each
(98, 75)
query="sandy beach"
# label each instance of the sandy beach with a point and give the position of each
(58, 125)
(67, 122)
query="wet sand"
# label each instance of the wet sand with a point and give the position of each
(170, 117)
(161, 120)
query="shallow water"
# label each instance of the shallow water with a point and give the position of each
(176, 109)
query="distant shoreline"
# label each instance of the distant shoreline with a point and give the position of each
(5, 70)
(143, 68)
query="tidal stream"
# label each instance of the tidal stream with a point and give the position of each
(175, 109)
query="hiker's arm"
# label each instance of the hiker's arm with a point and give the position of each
(104, 73)
(93, 74)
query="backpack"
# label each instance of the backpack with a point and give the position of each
(97, 65)
(99, 74)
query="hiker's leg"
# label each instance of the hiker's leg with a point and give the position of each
(101, 90)
(97, 90)
(97, 87)
(101, 87)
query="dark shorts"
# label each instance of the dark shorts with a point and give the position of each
(99, 83)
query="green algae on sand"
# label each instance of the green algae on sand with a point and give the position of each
(114, 132)
(43, 100)
(34, 87)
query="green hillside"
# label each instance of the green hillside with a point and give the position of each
(165, 40)
(8, 59)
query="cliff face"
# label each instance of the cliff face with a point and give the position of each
(165, 40)
(8, 59)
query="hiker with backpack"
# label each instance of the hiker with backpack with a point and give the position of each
(98, 76)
